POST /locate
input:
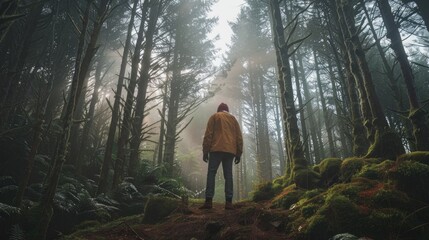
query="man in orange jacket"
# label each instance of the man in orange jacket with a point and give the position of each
(222, 143)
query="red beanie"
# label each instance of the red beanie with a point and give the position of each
(222, 107)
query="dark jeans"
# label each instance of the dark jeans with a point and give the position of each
(215, 158)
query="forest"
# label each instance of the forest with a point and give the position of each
(104, 105)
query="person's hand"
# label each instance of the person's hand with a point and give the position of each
(237, 160)
(205, 157)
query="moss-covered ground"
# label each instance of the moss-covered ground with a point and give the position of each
(366, 197)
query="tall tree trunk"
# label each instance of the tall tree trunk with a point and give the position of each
(279, 130)
(103, 185)
(291, 122)
(46, 210)
(326, 119)
(417, 114)
(160, 155)
(83, 149)
(265, 131)
(317, 146)
(278, 40)
(386, 142)
(360, 143)
(339, 110)
(143, 83)
(116, 104)
(76, 130)
(172, 113)
(359, 140)
(397, 93)
(301, 107)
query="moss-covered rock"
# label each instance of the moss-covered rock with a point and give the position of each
(306, 178)
(266, 191)
(318, 228)
(412, 178)
(338, 214)
(384, 223)
(329, 170)
(289, 196)
(376, 171)
(350, 167)
(352, 189)
(418, 156)
(390, 198)
(158, 208)
(309, 210)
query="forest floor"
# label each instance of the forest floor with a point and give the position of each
(248, 220)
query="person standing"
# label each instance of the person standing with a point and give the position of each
(222, 143)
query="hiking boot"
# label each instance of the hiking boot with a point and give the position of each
(207, 205)
(229, 206)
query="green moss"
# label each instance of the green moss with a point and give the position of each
(316, 168)
(282, 181)
(376, 171)
(330, 170)
(307, 179)
(343, 214)
(384, 223)
(387, 144)
(338, 214)
(266, 191)
(350, 167)
(159, 207)
(309, 210)
(390, 198)
(418, 156)
(287, 198)
(412, 178)
(312, 193)
(319, 228)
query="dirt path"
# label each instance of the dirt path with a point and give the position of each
(246, 221)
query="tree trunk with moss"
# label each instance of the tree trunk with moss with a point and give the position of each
(386, 142)
(417, 115)
(276, 42)
(301, 107)
(291, 123)
(393, 81)
(359, 140)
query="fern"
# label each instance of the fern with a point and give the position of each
(8, 213)
(16, 233)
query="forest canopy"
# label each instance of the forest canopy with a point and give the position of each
(104, 103)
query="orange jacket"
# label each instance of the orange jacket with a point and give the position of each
(223, 134)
